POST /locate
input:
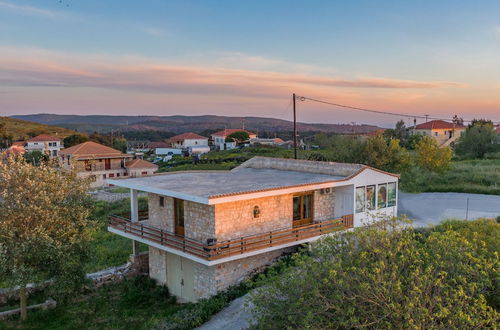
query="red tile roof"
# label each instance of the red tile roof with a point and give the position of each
(187, 136)
(230, 131)
(497, 129)
(438, 124)
(140, 163)
(92, 150)
(18, 144)
(44, 138)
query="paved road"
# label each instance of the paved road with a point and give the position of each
(425, 209)
(431, 208)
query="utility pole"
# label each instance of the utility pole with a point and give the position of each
(426, 117)
(414, 126)
(294, 128)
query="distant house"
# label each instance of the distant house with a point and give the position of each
(46, 144)
(101, 162)
(209, 230)
(269, 142)
(17, 148)
(219, 138)
(158, 144)
(443, 131)
(187, 140)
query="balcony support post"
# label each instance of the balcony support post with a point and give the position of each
(134, 217)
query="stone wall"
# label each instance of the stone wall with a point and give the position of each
(158, 265)
(324, 205)
(236, 219)
(161, 216)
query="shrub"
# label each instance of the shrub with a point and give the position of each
(387, 276)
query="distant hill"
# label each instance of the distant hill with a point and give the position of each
(22, 129)
(181, 124)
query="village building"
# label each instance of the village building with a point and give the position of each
(208, 230)
(46, 144)
(187, 140)
(442, 131)
(266, 142)
(100, 162)
(220, 142)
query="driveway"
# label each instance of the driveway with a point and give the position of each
(432, 208)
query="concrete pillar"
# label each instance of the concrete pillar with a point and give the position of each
(134, 217)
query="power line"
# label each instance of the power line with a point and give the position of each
(303, 98)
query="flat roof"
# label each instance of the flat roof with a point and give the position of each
(207, 184)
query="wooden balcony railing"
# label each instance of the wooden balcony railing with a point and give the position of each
(231, 247)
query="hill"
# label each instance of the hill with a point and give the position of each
(182, 124)
(22, 129)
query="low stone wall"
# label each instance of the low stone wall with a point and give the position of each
(137, 265)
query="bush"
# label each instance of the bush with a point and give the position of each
(388, 276)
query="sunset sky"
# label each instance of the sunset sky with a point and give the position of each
(246, 58)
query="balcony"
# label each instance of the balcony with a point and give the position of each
(227, 250)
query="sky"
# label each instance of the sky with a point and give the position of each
(246, 58)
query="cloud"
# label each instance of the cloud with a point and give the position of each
(30, 10)
(32, 67)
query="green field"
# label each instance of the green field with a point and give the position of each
(20, 129)
(480, 176)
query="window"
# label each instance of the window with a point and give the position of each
(360, 199)
(144, 173)
(391, 194)
(162, 201)
(117, 175)
(370, 197)
(302, 209)
(104, 176)
(111, 175)
(436, 133)
(179, 216)
(382, 196)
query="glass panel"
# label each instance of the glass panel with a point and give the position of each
(179, 212)
(382, 196)
(296, 208)
(360, 199)
(307, 206)
(391, 192)
(370, 197)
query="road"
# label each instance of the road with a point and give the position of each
(432, 208)
(425, 209)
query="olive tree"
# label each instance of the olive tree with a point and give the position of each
(432, 157)
(43, 225)
(385, 276)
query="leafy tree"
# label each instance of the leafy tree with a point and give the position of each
(385, 276)
(432, 157)
(120, 144)
(43, 226)
(399, 132)
(239, 136)
(74, 139)
(412, 141)
(35, 157)
(388, 156)
(477, 140)
(458, 120)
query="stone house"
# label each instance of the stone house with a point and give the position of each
(46, 144)
(208, 230)
(442, 131)
(100, 162)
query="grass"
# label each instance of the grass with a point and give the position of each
(109, 249)
(480, 176)
(19, 129)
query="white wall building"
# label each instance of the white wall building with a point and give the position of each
(188, 140)
(219, 138)
(46, 144)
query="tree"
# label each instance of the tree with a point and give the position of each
(477, 140)
(399, 132)
(387, 156)
(385, 276)
(35, 157)
(458, 120)
(43, 226)
(239, 136)
(120, 144)
(432, 157)
(74, 139)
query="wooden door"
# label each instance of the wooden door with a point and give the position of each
(179, 216)
(303, 209)
(107, 164)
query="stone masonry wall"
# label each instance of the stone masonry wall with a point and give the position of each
(210, 280)
(236, 219)
(199, 221)
(324, 205)
(158, 265)
(161, 216)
